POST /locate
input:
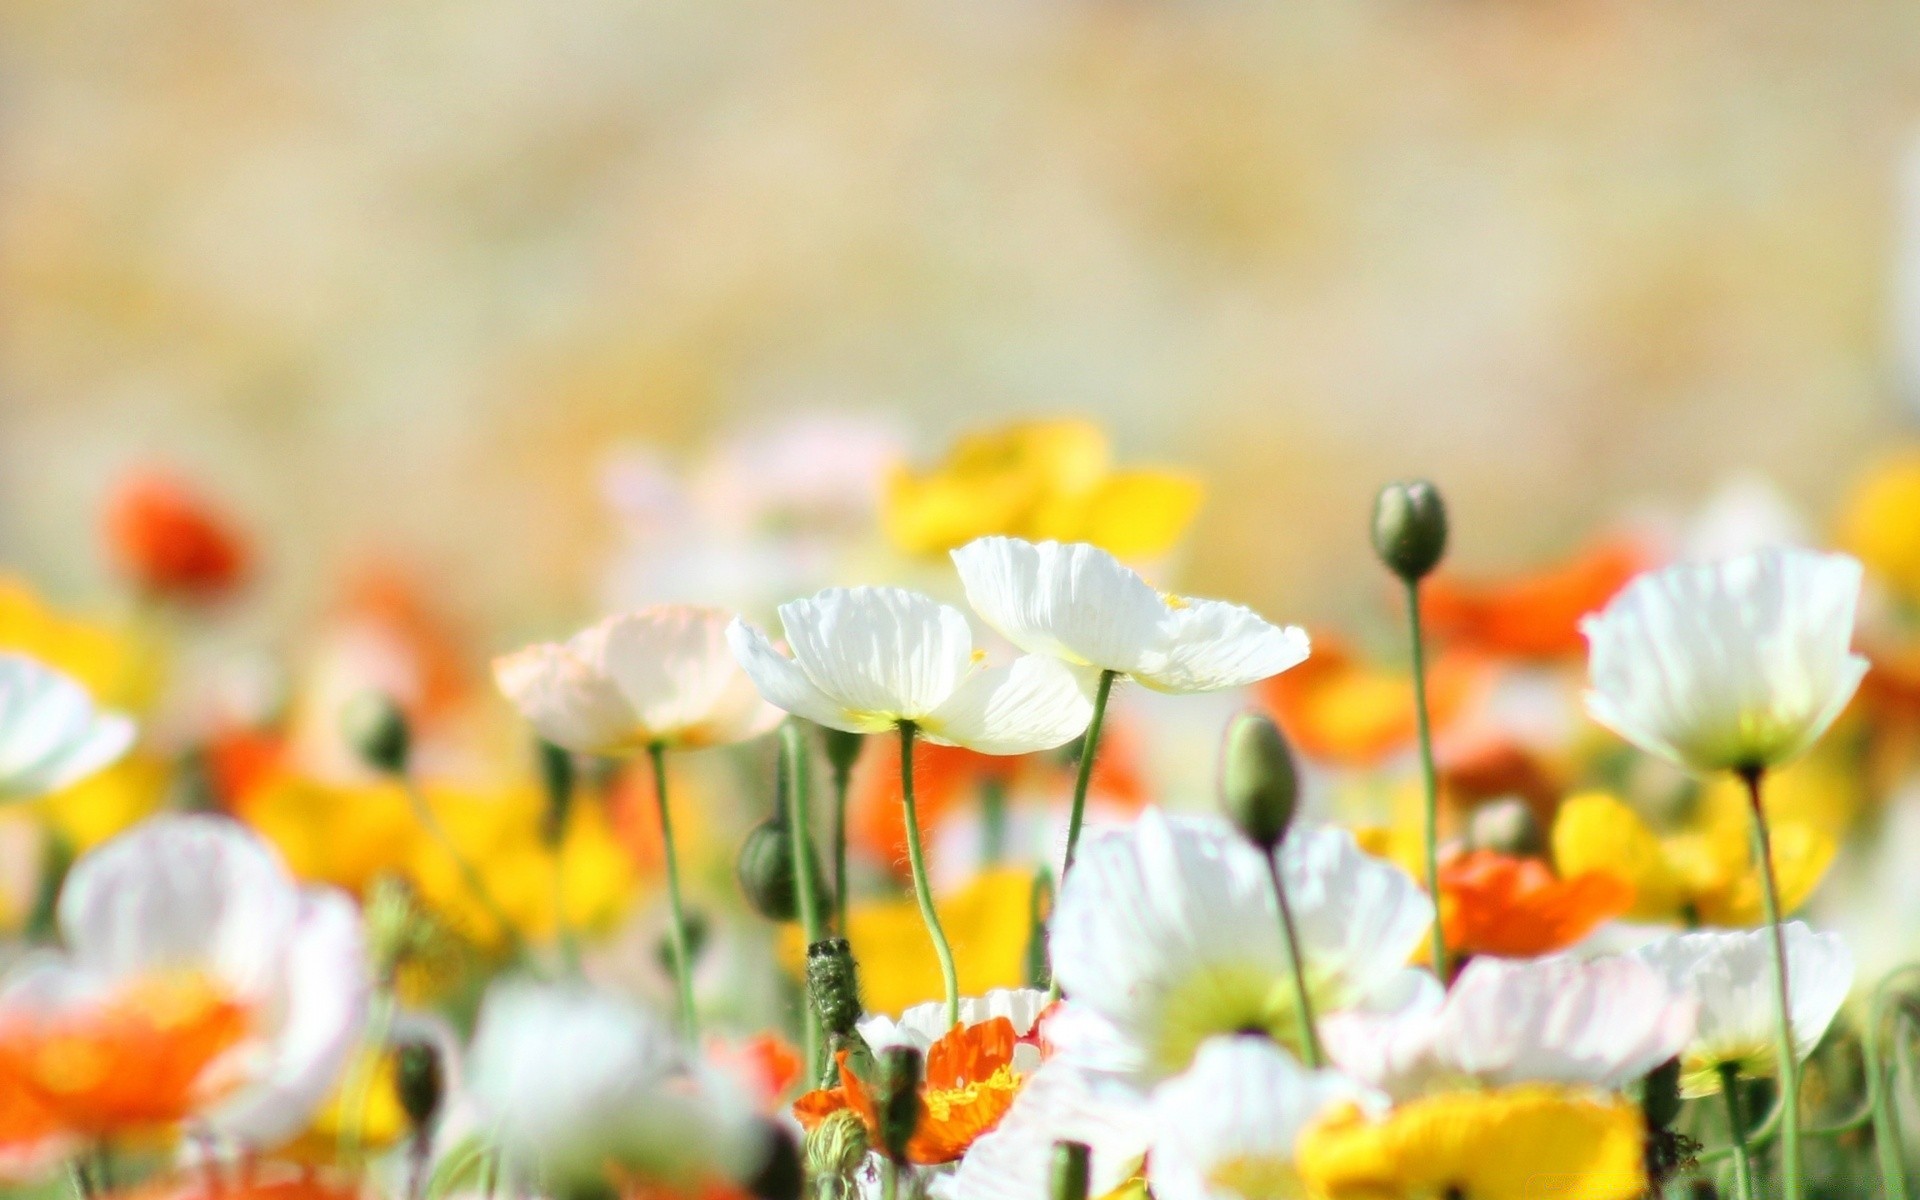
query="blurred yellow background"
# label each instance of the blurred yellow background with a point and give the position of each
(399, 274)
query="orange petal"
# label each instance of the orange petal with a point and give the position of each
(1516, 907)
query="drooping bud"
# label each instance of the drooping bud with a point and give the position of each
(1505, 826)
(897, 1103)
(779, 1176)
(418, 1082)
(1259, 785)
(833, 983)
(556, 779)
(843, 749)
(1410, 529)
(765, 870)
(377, 730)
(1071, 1163)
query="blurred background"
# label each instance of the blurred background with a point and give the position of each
(459, 283)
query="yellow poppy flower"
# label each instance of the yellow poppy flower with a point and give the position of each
(1512, 1144)
(988, 922)
(107, 802)
(382, 1121)
(1038, 480)
(122, 668)
(1880, 522)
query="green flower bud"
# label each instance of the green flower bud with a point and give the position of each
(833, 983)
(897, 1101)
(765, 871)
(1660, 1095)
(843, 749)
(418, 1082)
(697, 930)
(1410, 529)
(1259, 786)
(1071, 1163)
(1505, 826)
(834, 1149)
(377, 730)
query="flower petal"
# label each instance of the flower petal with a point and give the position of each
(672, 664)
(1032, 703)
(1072, 601)
(1212, 645)
(784, 685)
(570, 703)
(883, 651)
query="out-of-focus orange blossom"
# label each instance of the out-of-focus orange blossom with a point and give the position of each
(1515, 907)
(170, 541)
(1534, 616)
(1339, 708)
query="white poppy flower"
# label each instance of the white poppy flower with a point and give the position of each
(1168, 932)
(1225, 1130)
(1604, 1022)
(1730, 974)
(663, 675)
(1731, 665)
(51, 735)
(568, 1081)
(924, 1024)
(203, 897)
(867, 659)
(1059, 1102)
(1078, 603)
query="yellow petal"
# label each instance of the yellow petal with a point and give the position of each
(1141, 514)
(1880, 522)
(1595, 832)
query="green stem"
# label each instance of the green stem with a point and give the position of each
(470, 877)
(682, 961)
(1886, 1125)
(1737, 1130)
(889, 1178)
(1089, 744)
(1303, 1000)
(793, 750)
(357, 1088)
(1429, 777)
(1791, 1186)
(842, 777)
(922, 891)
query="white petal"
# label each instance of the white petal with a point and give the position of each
(50, 733)
(888, 652)
(1075, 602)
(1014, 1160)
(1359, 917)
(569, 702)
(784, 685)
(1032, 703)
(1211, 645)
(673, 666)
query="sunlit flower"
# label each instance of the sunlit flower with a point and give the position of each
(1604, 1022)
(1512, 1144)
(571, 1081)
(1226, 1129)
(924, 1024)
(1730, 974)
(989, 922)
(867, 659)
(1533, 616)
(187, 940)
(1059, 1102)
(1077, 603)
(1498, 904)
(1340, 708)
(51, 735)
(660, 676)
(1732, 665)
(1038, 479)
(970, 1082)
(1880, 522)
(170, 541)
(1168, 931)
(1703, 872)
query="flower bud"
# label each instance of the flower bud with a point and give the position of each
(377, 730)
(418, 1082)
(1259, 786)
(1660, 1095)
(833, 983)
(1071, 1162)
(834, 1150)
(1505, 826)
(765, 870)
(1410, 529)
(697, 929)
(897, 1102)
(843, 749)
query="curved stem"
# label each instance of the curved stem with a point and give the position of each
(1791, 1186)
(682, 961)
(1737, 1130)
(1089, 744)
(793, 752)
(922, 891)
(1429, 776)
(1309, 1032)
(470, 877)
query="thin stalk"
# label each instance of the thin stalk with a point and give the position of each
(842, 776)
(357, 1090)
(793, 751)
(1737, 1130)
(1886, 1125)
(1089, 744)
(1429, 777)
(889, 1178)
(1296, 963)
(470, 877)
(682, 960)
(922, 891)
(1791, 1186)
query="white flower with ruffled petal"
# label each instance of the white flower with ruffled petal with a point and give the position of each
(1604, 1022)
(924, 1024)
(1077, 603)
(51, 735)
(661, 676)
(1225, 1130)
(1730, 974)
(1059, 1102)
(869, 659)
(1167, 933)
(1735, 665)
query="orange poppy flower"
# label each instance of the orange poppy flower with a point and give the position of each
(1338, 708)
(1518, 908)
(144, 1057)
(969, 1085)
(1535, 616)
(170, 541)
(245, 1184)
(766, 1062)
